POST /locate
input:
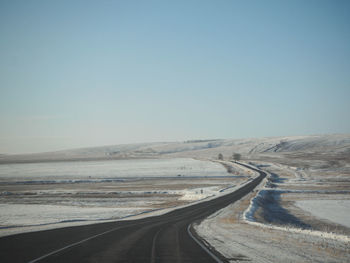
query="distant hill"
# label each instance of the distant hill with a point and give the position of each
(251, 148)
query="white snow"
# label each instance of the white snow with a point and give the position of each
(304, 166)
(198, 193)
(41, 196)
(20, 218)
(255, 242)
(337, 211)
(96, 171)
(249, 218)
(15, 215)
(337, 143)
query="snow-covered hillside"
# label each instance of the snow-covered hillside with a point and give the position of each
(338, 144)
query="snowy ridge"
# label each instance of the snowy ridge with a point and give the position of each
(333, 143)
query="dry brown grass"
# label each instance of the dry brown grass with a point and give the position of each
(237, 210)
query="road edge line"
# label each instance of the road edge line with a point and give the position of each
(202, 246)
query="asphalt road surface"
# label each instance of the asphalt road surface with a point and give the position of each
(165, 238)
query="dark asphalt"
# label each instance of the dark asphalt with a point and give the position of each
(162, 238)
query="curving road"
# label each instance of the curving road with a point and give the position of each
(165, 238)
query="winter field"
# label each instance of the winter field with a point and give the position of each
(48, 195)
(304, 222)
(299, 213)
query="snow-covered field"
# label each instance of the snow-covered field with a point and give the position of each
(337, 211)
(242, 242)
(24, 214)
(97, 171)
(39, 196)
(295, 215)
(299, 214)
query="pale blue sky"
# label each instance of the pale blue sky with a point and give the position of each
(87, 73)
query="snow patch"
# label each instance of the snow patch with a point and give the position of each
(334, 210)
(248, 217)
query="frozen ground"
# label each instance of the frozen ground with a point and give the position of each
(24, 214)
(47, 195)
(290, 222)
(97, 171)
(334, 210)
(297, 148)
(295, 215)
(242, 242)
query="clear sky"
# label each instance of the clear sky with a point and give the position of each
(89, 73)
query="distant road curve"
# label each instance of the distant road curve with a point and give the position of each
(166, 238)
